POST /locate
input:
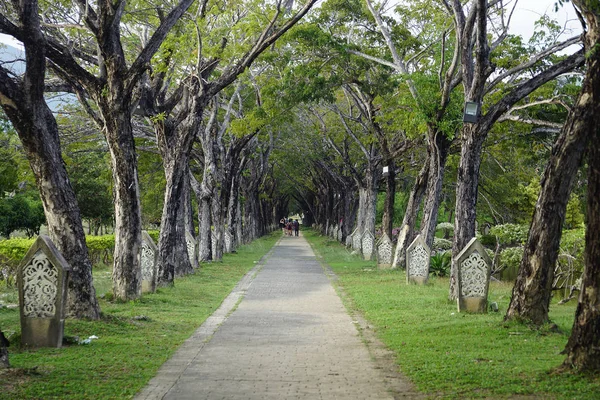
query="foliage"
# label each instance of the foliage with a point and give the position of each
(441, 245)
(11, 253)
(510, 234)
(90, 176)
(100, 248)
(510, 261)
(20, 212)
(440, 264)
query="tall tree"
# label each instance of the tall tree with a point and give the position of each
(533, 289)
(471, 27)
(23, 101)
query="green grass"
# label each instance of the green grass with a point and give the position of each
(129, 350)
(447, 354)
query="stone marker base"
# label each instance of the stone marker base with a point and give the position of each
(384, 266)
(42, 332)
(472, 304)
(419, 280)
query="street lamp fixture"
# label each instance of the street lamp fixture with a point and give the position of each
(471, 112)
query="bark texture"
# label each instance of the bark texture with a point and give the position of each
(583, 347)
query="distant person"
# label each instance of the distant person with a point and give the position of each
(296, 227)
(282, 225)
(290, 226)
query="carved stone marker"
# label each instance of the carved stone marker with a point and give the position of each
(149, 256)
(334, 232)
(228, 242)
(368, 245)
(398, 256)
(356, 239)
(42, 278)
(384, 252)
(190, 243)
(340, 235)
(474, 270)
(417, 261)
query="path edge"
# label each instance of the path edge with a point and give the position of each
(168, 373)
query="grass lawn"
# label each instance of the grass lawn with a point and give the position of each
(447, 354)
(134, 338)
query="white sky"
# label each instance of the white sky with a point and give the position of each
(529, 11)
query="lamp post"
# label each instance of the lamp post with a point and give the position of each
(471, 113)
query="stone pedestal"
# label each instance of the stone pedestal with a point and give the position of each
(42, 278)
(417, 261)
(474, 270)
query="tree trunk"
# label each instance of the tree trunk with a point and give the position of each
(467, 184)
(4, 343)
(24, 104)
(583, 347)
(533, 288)
(439, 145)
(126, 275)
(204, 230)
(410, 216)
(172, 226)
(387, 220)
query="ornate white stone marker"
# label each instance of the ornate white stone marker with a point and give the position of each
(149, 256)
(417, 261)
(368, 245)
(42, 278)
(474, 270)
(397, 253)
(340, 234)
(334, 232)
(192, 249)
(384, 252)
(228, 242)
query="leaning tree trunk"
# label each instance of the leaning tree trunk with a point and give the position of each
(24, 104)
(204, 229)
(533, 288)
(410, 216)
(467, 183)
(439, 145)
(367, 203)
(583, 347)
(387, 219)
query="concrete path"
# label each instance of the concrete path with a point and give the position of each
(290, 337)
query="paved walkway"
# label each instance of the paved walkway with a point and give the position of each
(290, 337)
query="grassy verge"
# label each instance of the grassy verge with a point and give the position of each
(134, 338)
(451, 355)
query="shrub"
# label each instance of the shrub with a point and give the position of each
(510, 234)
(441, 245)
(440, 264)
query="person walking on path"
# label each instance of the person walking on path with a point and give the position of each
(296, 227)
(289, 337)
